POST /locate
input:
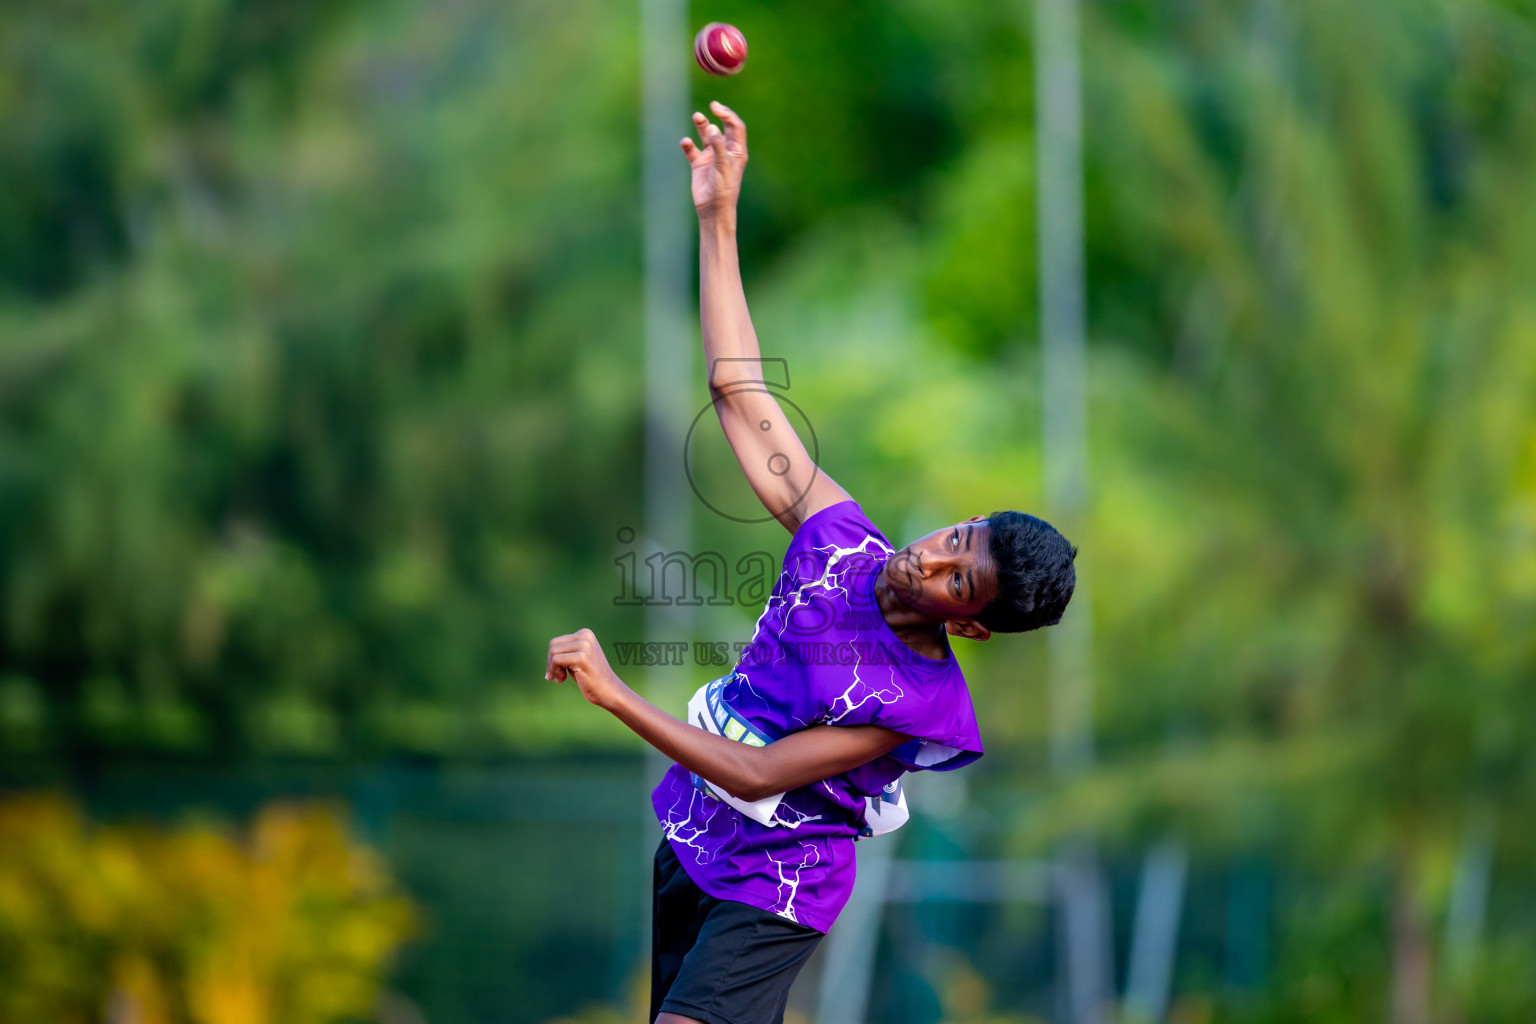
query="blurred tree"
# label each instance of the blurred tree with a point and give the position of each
(278, 471)
(1318, 502)
(317, 340)
(319, 332)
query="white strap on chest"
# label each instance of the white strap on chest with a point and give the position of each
(708, 712)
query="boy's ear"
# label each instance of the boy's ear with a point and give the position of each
(968, 628)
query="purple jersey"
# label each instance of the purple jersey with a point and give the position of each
(821, 653)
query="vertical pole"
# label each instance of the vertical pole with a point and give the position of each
(1085, 959)
(848, 971)
(669, 360)
(1155, 934)
(669, 357)
(1469, 898)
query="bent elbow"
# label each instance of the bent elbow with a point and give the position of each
(751, 775)
(751, 787)
(726, 398)
(749, 792)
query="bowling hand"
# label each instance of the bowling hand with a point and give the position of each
(717, 162)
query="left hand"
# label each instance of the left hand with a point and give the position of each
(580, 655)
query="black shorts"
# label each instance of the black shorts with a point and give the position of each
(719, 961)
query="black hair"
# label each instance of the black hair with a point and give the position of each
(1035, 574)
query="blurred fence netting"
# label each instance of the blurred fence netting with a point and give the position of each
(515, 894)
(524, 890)
(519, 893)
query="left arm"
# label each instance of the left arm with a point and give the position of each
(745, 772)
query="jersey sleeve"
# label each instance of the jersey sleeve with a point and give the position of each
(937, 714)
(839, 533)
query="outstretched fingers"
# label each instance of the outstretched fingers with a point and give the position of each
(735, 127)
(711, 135)
(693, 150)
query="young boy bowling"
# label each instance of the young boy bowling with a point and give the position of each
(849, 681)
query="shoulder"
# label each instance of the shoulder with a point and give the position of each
(823, 493)
(840, 519)
(838, 534)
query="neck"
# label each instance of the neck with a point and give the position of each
(922, 633)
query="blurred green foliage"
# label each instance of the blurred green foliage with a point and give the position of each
(320, 327)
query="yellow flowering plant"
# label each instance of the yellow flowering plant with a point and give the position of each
(292, 921)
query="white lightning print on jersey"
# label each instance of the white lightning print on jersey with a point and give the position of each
(801, 817)
(789, 886)
(832, 582)
(679, 824)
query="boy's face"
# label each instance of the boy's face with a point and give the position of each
(947, 575)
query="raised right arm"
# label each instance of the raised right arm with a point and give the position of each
(780, 470)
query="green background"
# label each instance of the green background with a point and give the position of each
(320, 334)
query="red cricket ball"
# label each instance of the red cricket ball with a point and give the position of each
(720, 49)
